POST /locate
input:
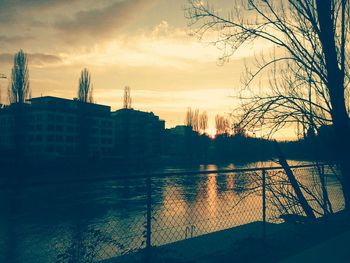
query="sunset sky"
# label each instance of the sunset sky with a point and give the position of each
(141, 43)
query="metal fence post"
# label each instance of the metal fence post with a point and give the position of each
(264, 202)
(324, 191)
(149, 219)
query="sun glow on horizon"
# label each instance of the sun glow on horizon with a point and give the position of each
(167, 68)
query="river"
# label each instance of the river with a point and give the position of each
(108, 217)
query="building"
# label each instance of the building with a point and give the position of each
(179, 141)
(138, 135)
(52, 127)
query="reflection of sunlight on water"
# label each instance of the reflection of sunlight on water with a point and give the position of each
(208, 167)
(182, 206)
(230, 181)
(174, 206)
(230, 177)
(212, 198)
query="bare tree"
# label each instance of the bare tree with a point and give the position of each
(312, 38)
(281, 195)
(195, 124)
(203, 121)
(193, 119)
(189, 117)
(222, 125)
(85, 90)
(19, 89)
(238, 130)
(127, 98)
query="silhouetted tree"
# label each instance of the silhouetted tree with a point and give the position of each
(222, 125)
(85, 95)
(189, 117)
(18, 93)
(203, 121)
(85, 90)
(312, 37)
(284, 202)
(195, 119)
(127, 98)
(195, 123)
(238, 130)
(19, 89)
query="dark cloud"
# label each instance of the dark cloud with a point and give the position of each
(13, 5)
(58, 22)
(34, 59)
(101, 21)
(17, 10)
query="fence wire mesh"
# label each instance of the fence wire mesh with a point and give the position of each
(112, 219)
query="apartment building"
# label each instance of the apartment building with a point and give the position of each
(51, 127)
(55, 127)
(138, 135)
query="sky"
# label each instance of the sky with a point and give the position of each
(144, 44)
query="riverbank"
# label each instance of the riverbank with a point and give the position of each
(284, 242)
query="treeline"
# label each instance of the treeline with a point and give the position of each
(192, 147)
(237, 147)
(190, 143)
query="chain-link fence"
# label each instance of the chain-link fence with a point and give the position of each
(110, 219)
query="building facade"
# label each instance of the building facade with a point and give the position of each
(55, 127)
(51, 127)
(138, 135)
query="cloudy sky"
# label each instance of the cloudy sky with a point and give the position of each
(144, 44)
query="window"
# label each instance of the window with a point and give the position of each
(50, 127)
(39, 117)
(59, 148)
(106, 141)
(50, 117)
(38, 149)
(30, 127)
(71, 119)
(71, 129)
(59, 128)
(69, 149)
(30, 138)
(106, 123)
(49, 148)
(70, 139)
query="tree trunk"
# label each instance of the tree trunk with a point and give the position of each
(294, 183)
(335, 85)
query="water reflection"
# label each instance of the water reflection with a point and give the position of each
(212, 199)
(182, 207)
(230, 181)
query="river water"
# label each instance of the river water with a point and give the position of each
(107, 218)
